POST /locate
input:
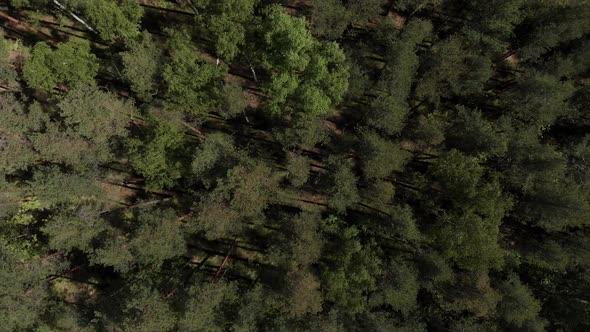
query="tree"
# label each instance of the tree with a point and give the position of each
(313, 75)
(380, 156)
(64, 146)
(473, 134)
(397, 288)
(389, 110)
(528, 160)
(25, 294)
(343, 192)
(75, 229)
(301, 245)
(244, 193)
(387, 113)
(16, 151)
(539, 100)
(234, 100)
(492, 23)
(454, 68)
(555, 206)
(98, 117)
(142, 66)
(470, 241)
(572, 63)
(162, 156)
(7, 71)
(205, 308)
(518, 305)
(71, 63)
(146, 310)
(213, 157)
(158, 238)
(38, 72)
(304, 294)
(251, 188)
(227, 23)
(51, 187)
(113, 19)
(468, 234)
(298, 169)
(401, 60)
(113, 251)
(475, 295)
(192, 83)
(363, 10)
(349, 268)
(559, 24)
(329, 18)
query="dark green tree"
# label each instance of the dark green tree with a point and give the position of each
(142, 65)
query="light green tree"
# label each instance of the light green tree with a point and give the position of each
(71, 63)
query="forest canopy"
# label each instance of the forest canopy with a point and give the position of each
(313, 165)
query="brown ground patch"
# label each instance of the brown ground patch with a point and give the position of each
(397, 19)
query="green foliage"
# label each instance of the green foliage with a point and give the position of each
(244, 193)
(556, 206)
(162, 156)
(475, 295)
(305, 296)
(561, 24)
(473, 134)
(298, 169)
(540, 100)
(329, 18)
(113, 19)
(147, 311)
(470, 235)
(142, 66)
(234, 100)
(454, 68)
(7, 70)
(113, 252)
(389, 110)
(302, 245)
(51, 186)
(19, 3)
(218, 150)
(75, 229)
(470, 241)
(337, 165)
(193, 83)
(387, 113)
(38, 72)
(313, 75)
(71, 63)
(349, 268)
(227, 23)
(380, 156)
(25, 293)
(158, 237)
(98, 117)
(344, 191)
(518, 305)
(398, 288)
(16, 153)
(204, 310)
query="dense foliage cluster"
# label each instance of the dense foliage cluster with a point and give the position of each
(315, 165)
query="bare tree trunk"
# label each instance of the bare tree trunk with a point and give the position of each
(220, 268)
(76, 17)
(29, 27)
(193, 6)
(253, 73)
